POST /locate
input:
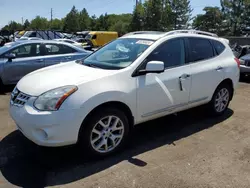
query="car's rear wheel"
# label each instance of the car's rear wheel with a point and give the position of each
(105, 132)
(221, 99)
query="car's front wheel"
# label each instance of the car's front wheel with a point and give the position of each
(105, 132)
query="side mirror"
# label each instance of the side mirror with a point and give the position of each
(153, 67)
(10, 56)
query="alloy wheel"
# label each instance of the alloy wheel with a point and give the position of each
(107, 134)
(221, 100)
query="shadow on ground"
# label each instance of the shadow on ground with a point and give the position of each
(24, 164)
(245, 79)
(6, 89)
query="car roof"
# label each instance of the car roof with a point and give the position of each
(155, 35)
(144, 36)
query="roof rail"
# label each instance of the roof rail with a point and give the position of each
(191, 31)
(144, 32)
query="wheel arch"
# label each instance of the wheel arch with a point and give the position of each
(228, 82)
(111, 104)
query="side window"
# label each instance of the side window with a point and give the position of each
(67, 49)
(57, 49)
(28, 50)
(68, 41)
(219, 47)
(200, 49)
(172, 53)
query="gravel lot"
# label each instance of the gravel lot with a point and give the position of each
(184, 150)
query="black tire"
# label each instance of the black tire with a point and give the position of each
(212, 107)
(242, 76)
(84, 139)
(1, 87)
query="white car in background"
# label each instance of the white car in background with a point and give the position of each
(139, 77)
(70, 41)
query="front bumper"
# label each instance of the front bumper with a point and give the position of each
(244, 69)
(57, 128)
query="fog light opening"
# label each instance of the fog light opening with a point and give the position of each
(42, 134)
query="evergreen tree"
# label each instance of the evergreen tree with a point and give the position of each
(153, 15)
(211, 21)
(84, 20)
(71, 22)
(181, 13)
(26, 24)
(137, 21)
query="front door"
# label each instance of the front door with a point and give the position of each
(161, 94)
(28, 59)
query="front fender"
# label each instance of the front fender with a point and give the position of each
(111, 96)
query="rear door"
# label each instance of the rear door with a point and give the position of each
(59, 53)
(206, 70)
(28, 58)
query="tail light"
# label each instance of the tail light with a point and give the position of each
(237, 61)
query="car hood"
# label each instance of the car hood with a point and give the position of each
(52, 77)
(246, 57)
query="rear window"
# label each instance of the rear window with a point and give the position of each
(200, 49)
(218, 46)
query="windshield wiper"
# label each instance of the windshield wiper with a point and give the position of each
(91, 65)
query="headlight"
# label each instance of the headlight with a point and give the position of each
(242, 62)
(53, 99)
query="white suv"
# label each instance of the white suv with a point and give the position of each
(139, 77)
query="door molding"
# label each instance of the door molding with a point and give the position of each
(172, 108)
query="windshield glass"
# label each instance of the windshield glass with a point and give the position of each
(118, 54)
(7, 46)
(89, 36)
(29, 34)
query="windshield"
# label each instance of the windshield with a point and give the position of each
(89, 36)
(118, 54)
(7, 46)
(30, 34)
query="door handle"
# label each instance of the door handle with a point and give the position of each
(219, 68)
(40, 60)
(180, 83)
(181, 78)
(184, 76)
(69, 57)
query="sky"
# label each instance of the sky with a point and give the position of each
(29, 9)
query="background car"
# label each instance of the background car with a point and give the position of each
(20, 58)
(1, 41)
(70, 41)
(245, 65)
(29, 38)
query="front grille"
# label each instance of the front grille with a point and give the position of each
(247, 63)
(18, 98)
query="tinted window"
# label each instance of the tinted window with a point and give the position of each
(172, 53)
(56, 49)
(28, 50)
(219, 47)
(200, 49)
(67, 49)
(69, 41)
